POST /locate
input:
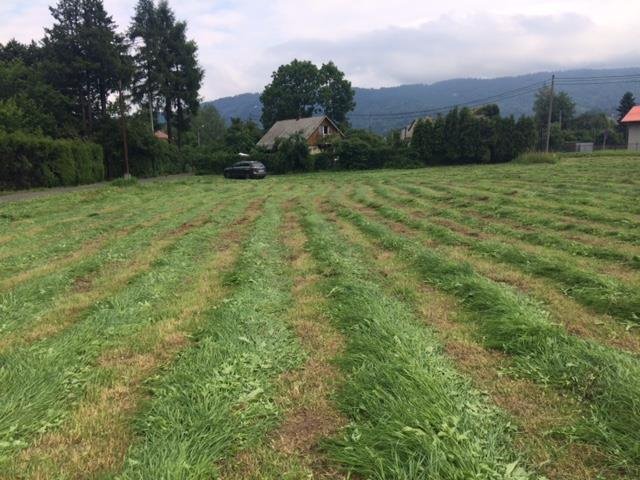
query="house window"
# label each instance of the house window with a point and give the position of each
(325, 130)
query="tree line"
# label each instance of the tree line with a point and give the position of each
(86, 81)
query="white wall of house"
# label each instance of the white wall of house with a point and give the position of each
(634, 137)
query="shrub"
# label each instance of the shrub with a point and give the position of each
(37, 161)
(212, 162)
(531, 158)
(125, 182)
(293, 155)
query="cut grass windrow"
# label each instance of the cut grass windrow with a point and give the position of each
(412, 415)
(615, 218)
(520, 213)
(602, 294)
(218, 397)
(66, 235)
(24, 307)
(94, 439)
(537, 411)
(607, 381)
(43, 382)
(304, 394)
(543, 239)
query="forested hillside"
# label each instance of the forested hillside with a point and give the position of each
(595, 96)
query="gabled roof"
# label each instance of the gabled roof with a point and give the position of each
(633, 116)
(287, 128)
(161, 135)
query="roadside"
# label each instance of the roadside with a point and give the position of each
(7, 196)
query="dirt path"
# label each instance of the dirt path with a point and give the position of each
(7, 197)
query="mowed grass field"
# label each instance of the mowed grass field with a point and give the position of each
(459, 323)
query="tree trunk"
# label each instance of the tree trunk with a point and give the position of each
(103, 99)
(180, 123)
(167, 115)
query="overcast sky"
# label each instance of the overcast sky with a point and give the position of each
(382, 43)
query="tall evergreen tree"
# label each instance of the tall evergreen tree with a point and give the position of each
(169, 75)
(84, 57)
(627, 102)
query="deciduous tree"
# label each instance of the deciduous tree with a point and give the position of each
(300, 89)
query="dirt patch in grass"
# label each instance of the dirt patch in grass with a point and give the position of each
(96, 438)
(82, 284)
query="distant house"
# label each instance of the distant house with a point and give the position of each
(160, 135)
(315, 130)
(632, 121)
(406, 134)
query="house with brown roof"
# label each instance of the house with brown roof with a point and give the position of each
(160, 135)
(632, 122)
(316, 130)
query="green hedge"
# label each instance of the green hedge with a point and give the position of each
(35, 161)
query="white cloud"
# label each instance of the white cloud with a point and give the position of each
(381, 43)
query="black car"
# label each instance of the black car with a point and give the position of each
(245, 169)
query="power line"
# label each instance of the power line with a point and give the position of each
(509, 94)
(482, 101)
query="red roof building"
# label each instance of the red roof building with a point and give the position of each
(160, 135)
(632, 121)
(633, 116)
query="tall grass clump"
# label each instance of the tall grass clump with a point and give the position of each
(412, 416)
(605, 379)
(218, 397)
(131, 181)
(536, 158)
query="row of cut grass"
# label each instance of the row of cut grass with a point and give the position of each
(412, 415)
(539, 238)
(522, 213)
(93, 441)
(218, 396)
(59, 231)
(24, 305)
(607, 381)
(63, 238)
(536, 411)
(597, 292)
(594, 215)
(43, 381)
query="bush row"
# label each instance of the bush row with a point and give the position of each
(36, 161)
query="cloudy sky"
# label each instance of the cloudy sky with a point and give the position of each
(382, 43)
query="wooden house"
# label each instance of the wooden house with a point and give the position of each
(316, 130)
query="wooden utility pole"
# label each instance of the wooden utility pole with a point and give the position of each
(553, 83)
(153, 128)
(123, 126)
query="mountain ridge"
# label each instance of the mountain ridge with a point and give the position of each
(416, 97)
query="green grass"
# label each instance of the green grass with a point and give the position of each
(609, 381)
(412, 416)
(161, 330)
(218, 397)
(536, 158)
(603, 294)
